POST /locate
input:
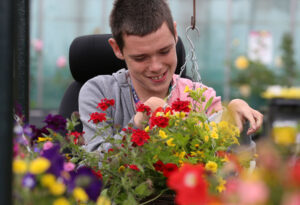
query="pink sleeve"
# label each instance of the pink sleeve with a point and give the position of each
(178, 92)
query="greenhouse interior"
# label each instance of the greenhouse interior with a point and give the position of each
(88, 118)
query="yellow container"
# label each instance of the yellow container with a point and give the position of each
(284, 132)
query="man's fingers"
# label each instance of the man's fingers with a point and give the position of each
(238, 121)
(256, 123)
(259, 118)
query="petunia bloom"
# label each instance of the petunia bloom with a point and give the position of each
(169, 168)
(144, 108)
(181, 106)
(97, 117)
(56, 122)
(139, 137)
(189, 184)
(159, 121)
(106, 103)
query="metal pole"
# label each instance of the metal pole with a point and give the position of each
(6, 87)
(228, 52)
(21, 57)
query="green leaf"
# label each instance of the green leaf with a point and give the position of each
(142, 189)
(209, 102)
(130, 200)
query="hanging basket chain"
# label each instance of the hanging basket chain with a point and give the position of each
(191, 57)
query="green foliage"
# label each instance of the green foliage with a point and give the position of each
(258, 76)
(289, 73)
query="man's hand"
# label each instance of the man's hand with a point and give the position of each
(241, 112)
(153, 103)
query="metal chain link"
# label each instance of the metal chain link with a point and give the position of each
(190, 57)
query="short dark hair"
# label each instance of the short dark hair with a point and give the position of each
(139, 17)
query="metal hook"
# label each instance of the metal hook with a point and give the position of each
(193, 18)
(192, 54)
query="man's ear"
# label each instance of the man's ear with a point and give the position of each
(112, 42)
(175, 31)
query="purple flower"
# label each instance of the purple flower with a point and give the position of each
(36, 133)
(56, 122)
(27, 130)
(57, 161)
(29, 181)
(85, 178)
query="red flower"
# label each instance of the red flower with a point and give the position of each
(295, 172)
(139, 137)
(106, 103)
(144, 108)
(110, 150)
(181, 106)
(97, 117)
(134, 167)
(77, 137)
(169, 168)
(160, 121)
(189, 184)
(97, 174)
(159, 166)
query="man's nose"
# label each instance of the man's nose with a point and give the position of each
(155, 64)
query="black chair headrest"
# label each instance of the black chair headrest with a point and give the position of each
(92, 55)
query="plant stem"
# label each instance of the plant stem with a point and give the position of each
(146, 202)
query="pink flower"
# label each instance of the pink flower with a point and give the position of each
(61, 62)
(69, 166)
(253, 192)
(293, 199)
(47, 145)
(38, 45)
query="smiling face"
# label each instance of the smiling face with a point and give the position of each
(151, 61)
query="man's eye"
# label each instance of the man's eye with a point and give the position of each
(164, 52)
(139, 59)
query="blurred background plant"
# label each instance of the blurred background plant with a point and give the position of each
(251, 78)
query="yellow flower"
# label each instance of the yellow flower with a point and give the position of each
(43, 139)
(162, 134)
(197, 145)
(211, 166)
(221, 187)
(225, 159)
(121, 168)
(200, 153)
(181, 155)
(214, 135)
(147, 129)
(61, 201)
(39, 165)
(223, 125)
(241, 63)
(180, 115)
(79, 194)
(213, 124)
(206, 138)
(19, 166)
(169, 142)
(168, 114)
(206, 127)
(193, 154)
(186, 89)
(47, 180)
(102, 200)
(57, 188)
(159, 114)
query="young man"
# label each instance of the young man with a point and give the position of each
(145, 36)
